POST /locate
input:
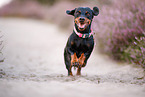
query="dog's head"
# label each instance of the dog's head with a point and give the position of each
(83, 16)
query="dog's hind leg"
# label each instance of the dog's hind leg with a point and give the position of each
(68, 67)
(67, 59)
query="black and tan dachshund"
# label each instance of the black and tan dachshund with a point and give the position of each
(81, 42)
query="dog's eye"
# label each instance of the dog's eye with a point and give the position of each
(87, 13)
(78, 12)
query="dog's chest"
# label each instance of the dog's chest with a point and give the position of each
(82, 44)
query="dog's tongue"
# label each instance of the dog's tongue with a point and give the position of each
(82, 26)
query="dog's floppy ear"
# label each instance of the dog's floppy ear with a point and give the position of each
(95, 11)
(71, 12)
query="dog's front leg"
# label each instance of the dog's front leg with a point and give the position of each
(81, 63)
(73, 61)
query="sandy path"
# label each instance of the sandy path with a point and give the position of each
(34, 66)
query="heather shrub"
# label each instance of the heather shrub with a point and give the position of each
(135, 53)
(122, 29)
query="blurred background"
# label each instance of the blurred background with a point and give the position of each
(33, 34)
(119, 28)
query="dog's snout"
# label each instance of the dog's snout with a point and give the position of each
(82, 19)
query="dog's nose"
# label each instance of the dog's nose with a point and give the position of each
(82, 19)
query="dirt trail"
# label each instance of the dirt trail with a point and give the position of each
(34, 66)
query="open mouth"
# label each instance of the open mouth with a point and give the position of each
(82, 25)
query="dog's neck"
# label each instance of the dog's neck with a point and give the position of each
(85, 35)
